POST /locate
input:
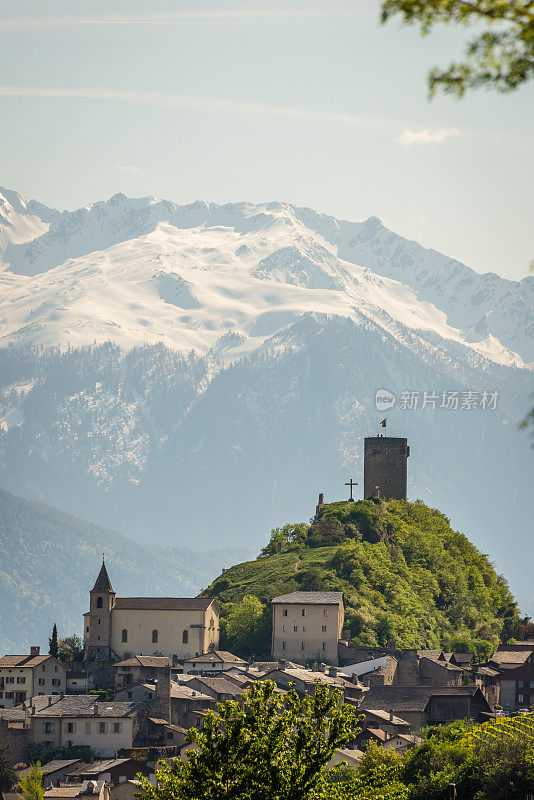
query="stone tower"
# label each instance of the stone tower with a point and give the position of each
(385, 467)
(102, 600)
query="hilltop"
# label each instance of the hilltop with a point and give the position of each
(409, 579)
(49, 561)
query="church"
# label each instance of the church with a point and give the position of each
(116, 628)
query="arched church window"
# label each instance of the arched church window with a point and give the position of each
(99, 602)
(124, 635)
(212, 623)
(154, 636)
(185, 637)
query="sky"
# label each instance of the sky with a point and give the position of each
(311, 103)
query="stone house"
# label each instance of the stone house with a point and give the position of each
(27, 676)
(517, 687)
(212, 662)
(117, 628)
(307, 626)
(96, 790)
(137, 692)
(218, 688)
(139, 669)
(426, 705)
(54, 772)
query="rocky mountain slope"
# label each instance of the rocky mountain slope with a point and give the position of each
(206, 370)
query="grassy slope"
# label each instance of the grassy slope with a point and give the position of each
(407, 577)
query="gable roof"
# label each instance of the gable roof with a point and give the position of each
(512, 657)
(223, 656)
(313, 598)
(412, 698)
(385, 716)
(144, 661)
(164, 603)
(72, 705)
(28, 661)
(220, 685)
(103, 583)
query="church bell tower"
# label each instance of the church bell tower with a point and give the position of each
(98, 620)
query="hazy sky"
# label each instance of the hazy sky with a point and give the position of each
(313, 103)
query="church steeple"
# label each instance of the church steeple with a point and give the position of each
(103, 583)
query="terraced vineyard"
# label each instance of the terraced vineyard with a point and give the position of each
(520, 728)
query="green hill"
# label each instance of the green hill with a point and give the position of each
(49, 562)
(408, 579)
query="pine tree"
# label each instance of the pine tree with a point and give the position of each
(7, 773)
(53, 643)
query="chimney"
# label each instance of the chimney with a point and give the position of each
(332, 672)
(95, 709)
(391, 715)
(35, 650)
(282, 663)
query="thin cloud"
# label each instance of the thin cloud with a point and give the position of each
(228, 16)
(190, 103)
(427, 136)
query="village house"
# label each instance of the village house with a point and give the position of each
(212, 662)
(218, 688)
(137, 692)
(186, 702)
(402, 742)
(111, 770)
(117, 628)
(78, 720)
(305, 680)
(89, 790)
(307, 626)
(54, 771)
(139, 669)
(425, 705)
(517, 687)
(26, 676)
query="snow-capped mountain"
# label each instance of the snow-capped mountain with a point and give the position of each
(218, 365)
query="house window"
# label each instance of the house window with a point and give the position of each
(283, 628)
(99, 603)
(87, 727)
(185, 637)
(102, 727)
(303, 612)
(324, 645)
(520, 684)
(124, 635)
(324, 628)
(41, 681)
(295, 628)
(532, 684)
(71, 727)
(9, 695)
(55, 682)
(325, 612)
(303, 646)
(117, 727)
(154, 636)
(21, 680)
(283, 648)
(519, 698)
(49, 727)
(304, 629)
(284, 612)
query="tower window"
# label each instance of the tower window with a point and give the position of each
(185, 637)
(124, 635)
(99, 602)
(154, 636)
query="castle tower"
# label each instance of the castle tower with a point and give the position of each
(98, 620)
(385, 467)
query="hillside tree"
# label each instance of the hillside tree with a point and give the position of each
(7, 773)
(30, 786)
(499, 56)
(268, 746)
(53, 643)
(70, 648)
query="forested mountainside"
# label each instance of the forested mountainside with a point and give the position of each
(49, 562)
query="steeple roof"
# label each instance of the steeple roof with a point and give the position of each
(103, 583)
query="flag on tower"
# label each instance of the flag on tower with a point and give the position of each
(383, 423)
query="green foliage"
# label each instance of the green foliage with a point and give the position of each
(70, 648)
(291, 535)
(7, 773)
(267, 747)
(30, 786)
(408, 579)
(501, 56)
(37, 751)
(52, 643)
(246, 625)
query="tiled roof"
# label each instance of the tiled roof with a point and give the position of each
(103, 583)
(78, 705)
(410, 698)
(514, 657)
(186, 693)
(384, 715)
(51, 766)
(216, 655)
(144, 661)
(443, 664)
(220, 685)
(314, 598)
(97, 767)
(26, 661)
(164, 603)
(378, 733)
(310, 676)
